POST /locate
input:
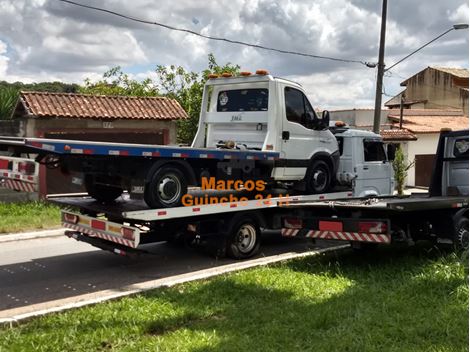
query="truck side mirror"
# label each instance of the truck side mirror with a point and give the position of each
(325, 117)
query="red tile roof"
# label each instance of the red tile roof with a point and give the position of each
(397, 135)
(40, 104)
(431, 123)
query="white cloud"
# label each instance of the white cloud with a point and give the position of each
(47, 39)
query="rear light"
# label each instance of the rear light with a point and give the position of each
(293, 223)
(127, 233)
(71, 218)
(373, 227)
(5, 164)
(330, 226)
(26, 168)
(99, 225)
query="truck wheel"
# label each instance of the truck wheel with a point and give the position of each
(243, 238)
(318, 177)
(166, 188)
(100, 192)
(460, 236)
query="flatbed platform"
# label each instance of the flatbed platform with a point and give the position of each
(76, 147)
(410, 203)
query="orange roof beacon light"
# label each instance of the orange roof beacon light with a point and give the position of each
(213, 75)
(226, 74)
(340, 124)
(245, 73)
(262, 72)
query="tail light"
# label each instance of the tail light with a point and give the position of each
(98, 225)
(127, 233)
(26, 168)
(71, 218)
(5, 164)
(373, 227)
(293, 223)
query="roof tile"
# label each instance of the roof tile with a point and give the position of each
(41, 104)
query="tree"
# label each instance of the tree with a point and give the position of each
(8, 99)
(401, 167)
(116, 82)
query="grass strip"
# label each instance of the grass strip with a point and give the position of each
(389, 300)
(26, 216)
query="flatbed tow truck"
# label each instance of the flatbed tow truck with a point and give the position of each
(234, 228)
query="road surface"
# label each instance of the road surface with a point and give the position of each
(37, 272)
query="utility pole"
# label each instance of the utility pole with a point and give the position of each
(380, 70)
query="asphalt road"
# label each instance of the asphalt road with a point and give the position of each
(49, 269)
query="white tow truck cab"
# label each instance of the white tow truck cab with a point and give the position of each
(363, 163)
(265, 113)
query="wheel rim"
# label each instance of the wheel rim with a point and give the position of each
(319, 179)
(169, 189)
(462, 234)
(245, 240)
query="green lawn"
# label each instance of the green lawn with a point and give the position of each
(391, 300)
(20, 217)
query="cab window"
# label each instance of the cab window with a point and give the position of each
(374, 151)
(243, 100)
(298, 108)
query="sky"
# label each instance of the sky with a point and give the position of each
(46, 40)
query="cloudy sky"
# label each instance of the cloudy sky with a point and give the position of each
(50, 40)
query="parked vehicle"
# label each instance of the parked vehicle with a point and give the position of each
(252, 127)
(234, 228)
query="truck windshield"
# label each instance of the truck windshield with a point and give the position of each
(374, 151)
(243, 100)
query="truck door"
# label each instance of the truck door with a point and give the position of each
(374, 172)
(455, 166)
(299, 139)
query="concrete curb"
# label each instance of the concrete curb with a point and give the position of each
(91, 299)
(31, 235)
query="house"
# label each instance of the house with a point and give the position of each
(418, 136)
(426, 125)
(143, 120)
(434, 88)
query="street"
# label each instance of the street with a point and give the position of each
(35, 274)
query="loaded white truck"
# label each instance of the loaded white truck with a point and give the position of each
(251, 127)
(258, 145)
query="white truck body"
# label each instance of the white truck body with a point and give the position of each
(265, 113)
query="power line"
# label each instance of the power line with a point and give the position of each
(188, 31)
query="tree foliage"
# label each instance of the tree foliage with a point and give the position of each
(116, 82)
(401, 167)
(8, 99)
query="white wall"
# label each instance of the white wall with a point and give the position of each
(426, 144)
(358, 117)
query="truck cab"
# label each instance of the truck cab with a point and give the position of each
(363, 163)
(265, 113)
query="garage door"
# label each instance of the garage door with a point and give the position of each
(423, 169)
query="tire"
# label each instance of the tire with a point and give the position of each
(166, 187)
(318, 178)
(243, 238)
(460, 235)
(101, 193)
